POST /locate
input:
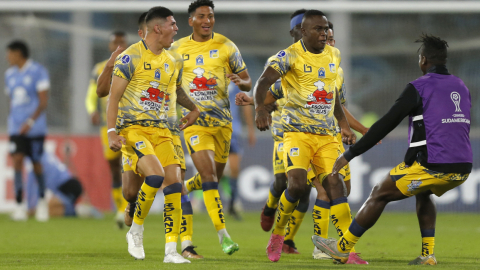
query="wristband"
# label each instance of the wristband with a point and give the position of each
(30, 122)
(111, 129)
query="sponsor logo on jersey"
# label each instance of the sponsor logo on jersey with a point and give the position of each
(126, 59)
(332, 67)
(414, 185)
(294, 152)
(155, 100)
(140, 145)
(201, 88)
(321, 73)
(281, 54)
(199, 60)
(167, 68)
(280, 147)
(320, 100)
(194, 140)
(157, 74)
(213, 53)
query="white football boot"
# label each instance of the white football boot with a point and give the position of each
(320, 255)
(135, 245)
(19, 212)
(174, 257)
(41, 214)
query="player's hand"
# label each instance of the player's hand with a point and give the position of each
(262, 118)
(339, 164)
(95, 118)
(235, 79)
(348, 137)
(189, 119)
(114, 55)
(242, 99)
(116, 141)
(271, 107)
(365, 131)
(25, 128)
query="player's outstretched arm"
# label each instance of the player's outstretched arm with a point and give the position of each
(242, 99)
(242, 80)
(348, 136)
(103, 81)
(353, 122)
(263, 118)
(184, 101)
(118, 88)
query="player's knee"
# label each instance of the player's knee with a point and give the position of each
(130, 195)
(305, 198)
(295, 190)
(280, 183)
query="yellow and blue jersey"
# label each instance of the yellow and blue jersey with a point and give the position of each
(308, 82)
(205, 69)
(92, 102)
(341, 91)
(152, 79)
(277, 127)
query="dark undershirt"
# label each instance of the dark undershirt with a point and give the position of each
(407, 104)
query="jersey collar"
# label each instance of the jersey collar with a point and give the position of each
(191, 37)
(26, 65)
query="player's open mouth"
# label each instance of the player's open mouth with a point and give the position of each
(206, 28)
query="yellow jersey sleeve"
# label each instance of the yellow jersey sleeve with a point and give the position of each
(341, 86)
(235, 59)
(281, 62)
(126, 63)
(277, 127)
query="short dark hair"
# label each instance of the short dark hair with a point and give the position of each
(330, 25)
(199, 3)
(119, 34)
(434, 48)
(141, 19)
(158, 12)
(298, 12)
(19, 45)
(313, 12)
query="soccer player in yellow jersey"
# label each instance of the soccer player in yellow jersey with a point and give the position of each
(96, 108)
(143, 82)
(308, 72)
(211, 61)
(132, 182)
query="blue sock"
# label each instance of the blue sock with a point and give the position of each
(18, 186)
(41, 184)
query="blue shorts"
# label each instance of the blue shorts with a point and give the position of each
(236, 145)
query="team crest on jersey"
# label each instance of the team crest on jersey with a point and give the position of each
(320, 100)
(140, 145)
(199, 60)
(280, 147)
(201, 88)
(213, 53)
(153, 99)
(194, 140)
(157, 74)
(281, 54)
(126, 59)
(294, 152)
(167, 68)
(332, 67)
(414, 185)
(321, 73)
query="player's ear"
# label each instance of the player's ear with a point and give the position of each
(190, 21)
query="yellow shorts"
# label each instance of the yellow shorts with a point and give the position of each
(278, 166)
(142, 141)
(108, 153)
(217, 139)
(177, 143)
(304, 149)
(416, 179)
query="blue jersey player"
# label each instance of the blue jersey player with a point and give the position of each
(66, 187)
(26, 84)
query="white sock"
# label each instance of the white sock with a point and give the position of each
(186, 244)
(221, 233)
(136, 228)
(170, 248)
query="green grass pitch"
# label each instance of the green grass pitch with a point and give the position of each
(67, 243)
